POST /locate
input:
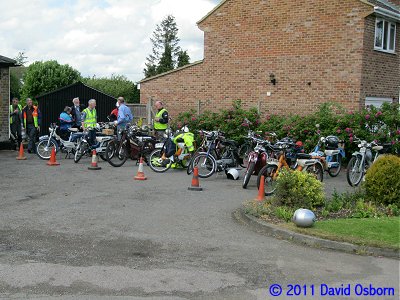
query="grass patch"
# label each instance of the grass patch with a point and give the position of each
(377, 232)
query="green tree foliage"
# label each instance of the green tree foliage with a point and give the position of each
(382, 181)
(166, 51)
(16, 75)
(183, 58)
(116, 85)
(42, 77)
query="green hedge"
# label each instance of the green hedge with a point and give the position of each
(371, 123)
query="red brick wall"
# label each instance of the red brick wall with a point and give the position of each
(381, 71)
(314, 49)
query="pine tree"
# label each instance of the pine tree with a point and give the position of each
(165, 53)
(183, 58)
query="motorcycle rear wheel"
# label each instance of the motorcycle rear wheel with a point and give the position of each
(268, 171)
(317, 171)
(333, 172)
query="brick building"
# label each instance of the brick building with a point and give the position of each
(5, 64)
(288, 56)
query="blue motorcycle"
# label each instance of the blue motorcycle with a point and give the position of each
(332, 156)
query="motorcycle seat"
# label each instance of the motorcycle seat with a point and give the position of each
(303, 156)
(377, 148)
(331, 152)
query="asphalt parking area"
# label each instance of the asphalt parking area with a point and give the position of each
(67, 231)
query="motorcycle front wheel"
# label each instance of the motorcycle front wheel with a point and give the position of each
(80, 150)
(156, 161)
(247, 175)
(44, 151)
(116, 153)
(355, 171)
(205, 163)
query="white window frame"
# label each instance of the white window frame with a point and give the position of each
(377, 101)
(389, 24)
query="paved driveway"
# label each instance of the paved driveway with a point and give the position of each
(67, 231)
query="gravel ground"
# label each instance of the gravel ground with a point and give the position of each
(69, 232)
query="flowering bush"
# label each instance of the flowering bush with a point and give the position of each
(382, 125)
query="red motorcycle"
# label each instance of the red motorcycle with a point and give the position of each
(256, 159)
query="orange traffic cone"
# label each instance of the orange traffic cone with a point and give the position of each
(140, 174)
(53, 161)
(21, 154)
(261, 192)
(195, 181)
(94, 165)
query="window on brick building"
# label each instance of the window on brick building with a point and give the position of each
(385, 35)
(377, 101)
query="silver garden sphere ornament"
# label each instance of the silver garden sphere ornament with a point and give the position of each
(303, 218)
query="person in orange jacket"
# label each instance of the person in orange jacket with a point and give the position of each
(32, 120)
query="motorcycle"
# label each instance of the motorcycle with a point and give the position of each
(363, 159)
(209, 162)
(133, 143)
(289, 155)
(179, 157)
(47, 142)
(332, 156)
(256, 159)
(85, 148)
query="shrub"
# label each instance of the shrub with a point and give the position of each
(365, 210)
(297, 189)
(382, 184)
(284, 213)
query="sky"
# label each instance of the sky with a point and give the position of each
(97, 37)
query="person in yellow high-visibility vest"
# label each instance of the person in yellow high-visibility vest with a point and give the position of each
(89, 122)
(16, 120)
(161, 120)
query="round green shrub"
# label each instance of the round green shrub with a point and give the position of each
(382, 181)
(298, 190)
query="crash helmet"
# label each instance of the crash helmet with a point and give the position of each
(232, 174)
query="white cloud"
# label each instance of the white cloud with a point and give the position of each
(97, 37)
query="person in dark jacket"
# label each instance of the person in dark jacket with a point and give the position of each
(16, 120)
(76, 113)
(32, 120)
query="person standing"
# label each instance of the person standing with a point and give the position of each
(16, 120)
(161, 120)
(76, 113)
(124, 115)
(32, 120)
(89, 121)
